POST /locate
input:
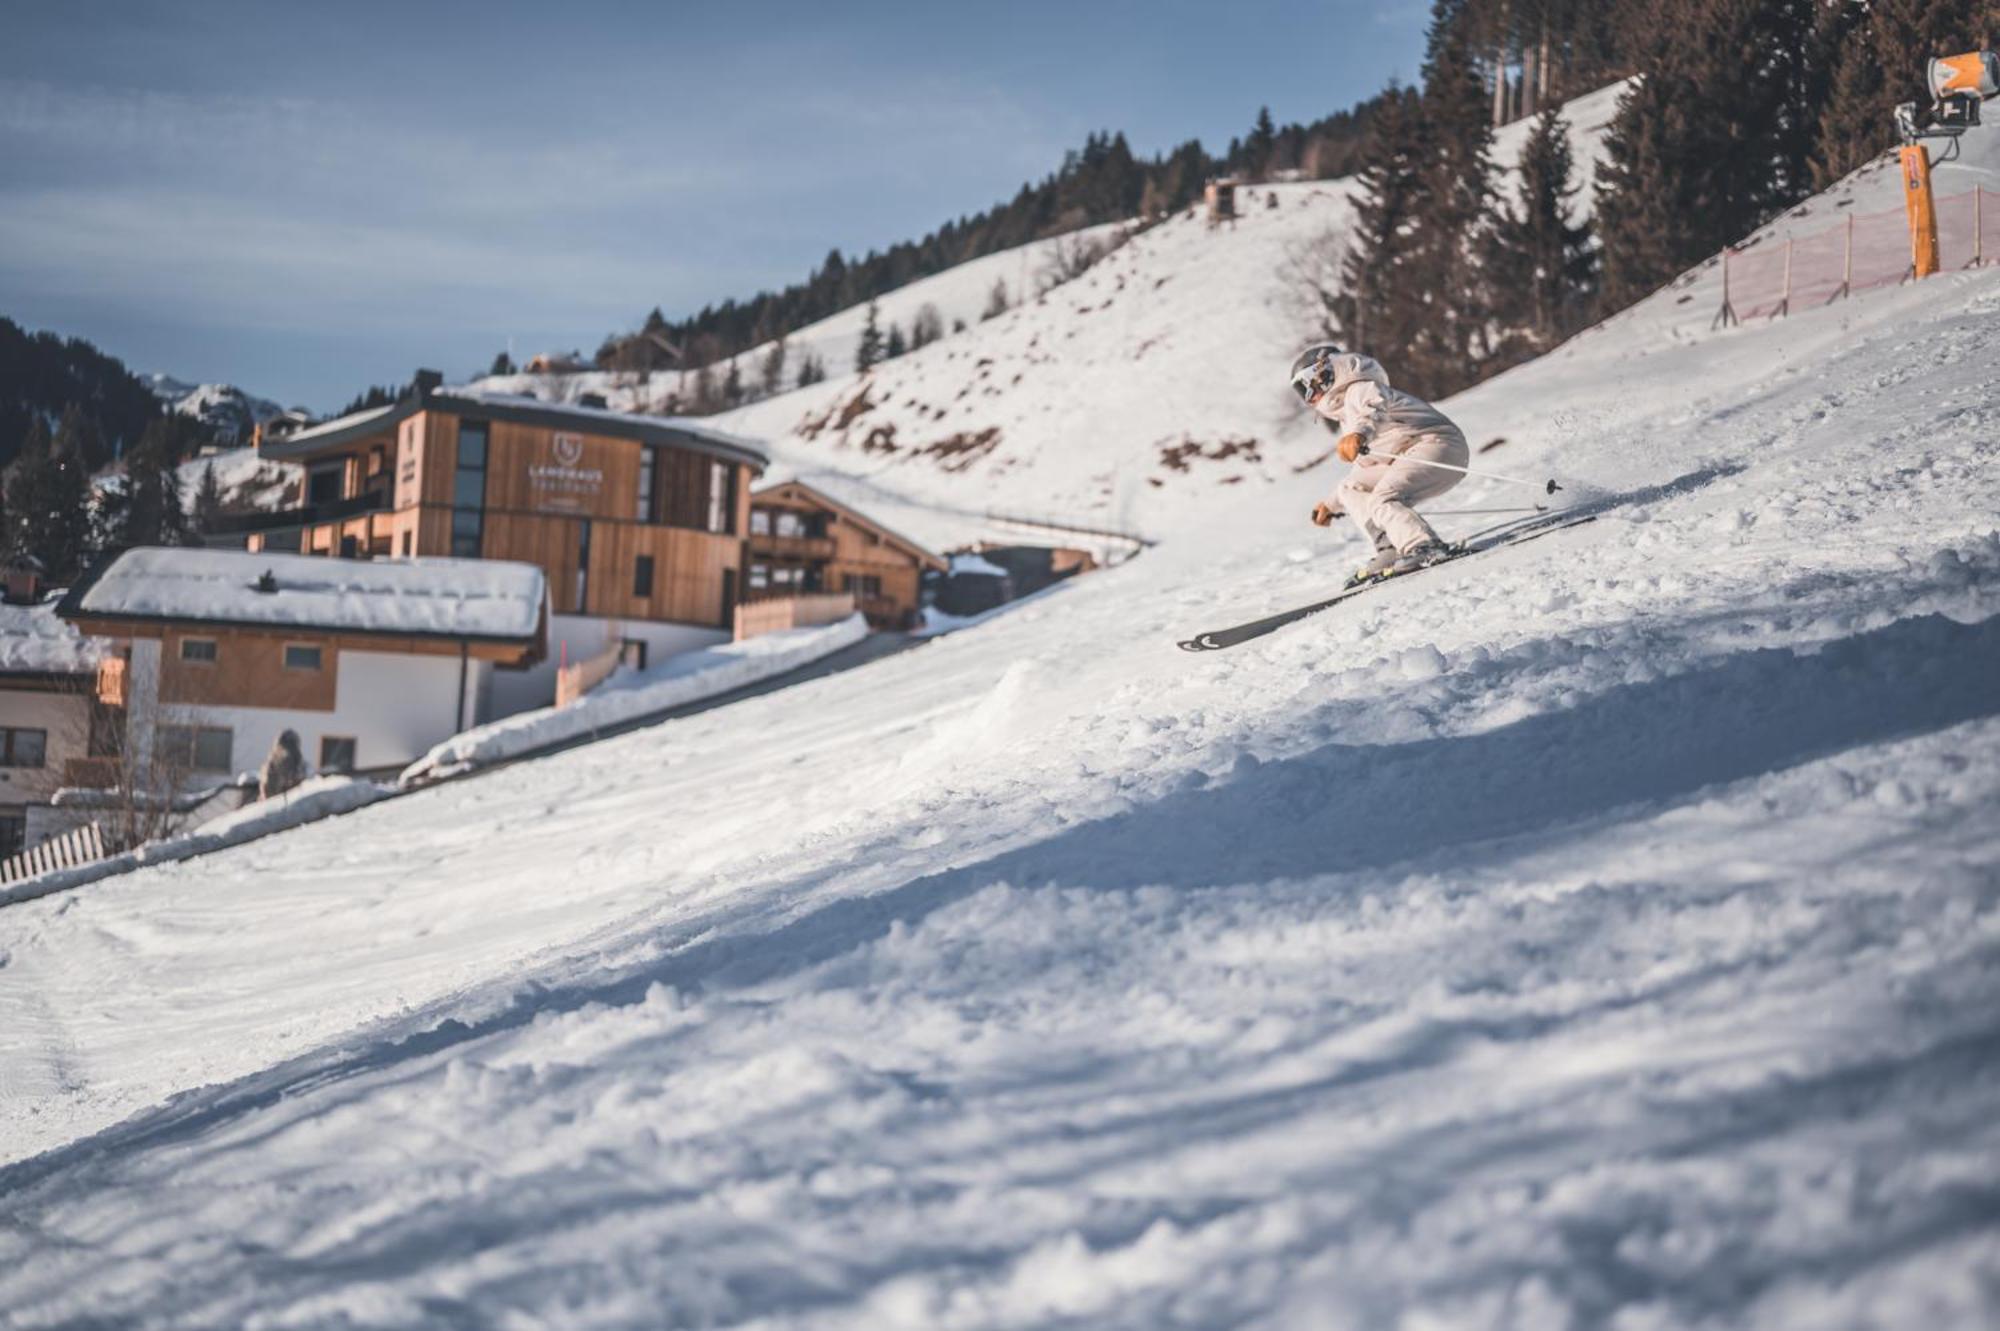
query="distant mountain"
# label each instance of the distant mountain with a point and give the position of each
(229, 412)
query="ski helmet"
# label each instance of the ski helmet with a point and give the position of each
(1312, 371)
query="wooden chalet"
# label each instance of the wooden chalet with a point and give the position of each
(630, 518)
(803, 541)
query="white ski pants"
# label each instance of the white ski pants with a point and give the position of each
(1378, 492)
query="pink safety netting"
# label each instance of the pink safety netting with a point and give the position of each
(1779, 274)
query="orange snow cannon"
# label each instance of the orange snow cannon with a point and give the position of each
(1974, 74)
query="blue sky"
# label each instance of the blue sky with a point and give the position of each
(306, 198)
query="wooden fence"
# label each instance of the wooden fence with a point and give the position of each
(79, 845)
(575, 680)
(791, 612)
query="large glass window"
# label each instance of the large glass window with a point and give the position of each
(325, 482)
(760, 522)
(302, 656)
(468, 491)
(642, 576)
(721, 497)
(198, 649)
(648, 463)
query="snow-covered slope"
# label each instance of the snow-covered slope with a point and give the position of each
(1597, 933)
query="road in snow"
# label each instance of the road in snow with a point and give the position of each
(1599, 933)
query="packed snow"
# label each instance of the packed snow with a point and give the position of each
(629, 694)
(1596, 933)
(473, 598)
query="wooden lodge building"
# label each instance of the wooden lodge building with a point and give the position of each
(636, 522)
(803, 541)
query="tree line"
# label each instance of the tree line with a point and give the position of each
(68, 412)
(1102, 181)
(1743, 108)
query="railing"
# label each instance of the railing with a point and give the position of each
(1774, 275)
(307, 515)
(800, 547)
(791, 612)
(79, 845)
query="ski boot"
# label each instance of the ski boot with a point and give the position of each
(1422, 555)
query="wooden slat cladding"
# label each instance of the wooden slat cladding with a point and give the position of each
(542, 485)
(248, 671)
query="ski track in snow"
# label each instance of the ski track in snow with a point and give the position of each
(1600, 933)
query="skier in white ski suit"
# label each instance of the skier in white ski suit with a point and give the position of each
(1399, 433)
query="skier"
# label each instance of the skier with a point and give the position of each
(1388, 435)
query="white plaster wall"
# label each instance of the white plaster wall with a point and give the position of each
(66, 718)
(394, 706)
(523, 690)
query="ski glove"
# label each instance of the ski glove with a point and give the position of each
(1324, 514)
(1351, 447)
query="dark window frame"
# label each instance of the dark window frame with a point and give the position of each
(214, 651)
(319, 657)
(642, 577)
(9, 744)
(468, 524)
(326, 764)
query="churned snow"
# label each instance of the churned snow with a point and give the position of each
(1596, 933)
(476, 598)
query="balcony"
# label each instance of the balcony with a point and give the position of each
(790, 547)
(308, 515)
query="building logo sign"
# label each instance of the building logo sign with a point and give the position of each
(563, 484)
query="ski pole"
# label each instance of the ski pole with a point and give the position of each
(1469, 512)
(1547, 487)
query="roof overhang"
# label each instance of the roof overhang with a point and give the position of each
(669, 432)
(825, 500)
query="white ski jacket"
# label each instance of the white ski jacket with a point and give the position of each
(1387, 419)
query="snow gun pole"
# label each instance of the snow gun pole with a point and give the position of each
(1546, 487)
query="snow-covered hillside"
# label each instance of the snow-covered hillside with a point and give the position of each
(1600, 933)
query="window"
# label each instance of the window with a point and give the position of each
(790, 523)
(468, 491)
(721, 497)
(302, 656)
(867, 586)
(336, 753)
(13, 831)
(198, 649)
(325, 483)
(760, 522)
(406, 544)
(195, 748)
(21, 747)
(642, 576)
(648, 462)
(760, 577)
(582, 565)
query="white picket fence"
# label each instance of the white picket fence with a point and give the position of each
(79, 845)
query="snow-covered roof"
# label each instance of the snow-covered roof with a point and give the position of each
(975, 564)
(34, 641)
(455, 598)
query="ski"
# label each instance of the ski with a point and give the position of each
(1498, 538)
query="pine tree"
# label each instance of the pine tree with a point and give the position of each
(732, 385)
(1373, 311)
(502, 364)
(1445, 279)
(811, 370)
(1712, 141)
(773, 369)
(927, 327)
(870, 349)
(1258, 147)
(1855, 121)
(207, 501)
(1542, 267)
(896, 344)
(150, 512)
(50, 496)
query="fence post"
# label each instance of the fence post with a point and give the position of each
(1978, 225)
(1847, 263)
(1725, 316)
(1785, 300)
